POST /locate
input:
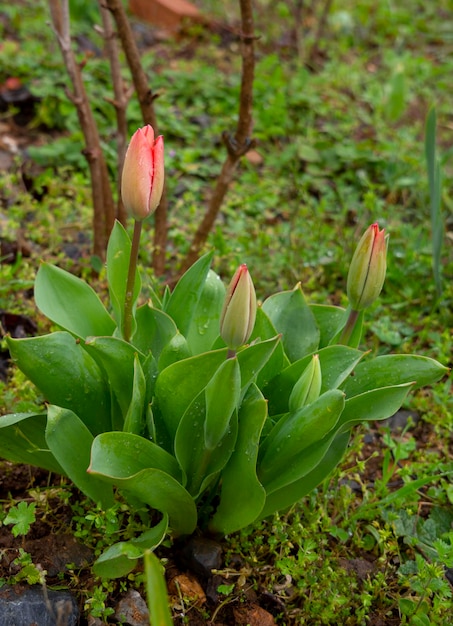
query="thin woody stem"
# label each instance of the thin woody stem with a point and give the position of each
(128, 302)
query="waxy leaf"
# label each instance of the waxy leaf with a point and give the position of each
(222, 395)
(263, 330)
(336, 362)
(286, 496)
(292, 317)
(66, 375)
(118, 256)
(242, 495)
(155, 329)
(204, 327)
(71, 303)
(183, 301)
(70, 442)
(124, 454)
(22, 440)
(135, 417)
(181, 382)
(297, 431)
(254, 358)
(328, 319)
(156, 590)
(160, 491)
(121, 558)
(396, 369)
(376, 404)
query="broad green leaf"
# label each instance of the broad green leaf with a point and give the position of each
(290, 494)
(66, 376)
(328, 319)
(22, 440)
(242, 496)
(180, 383)
(124, 454)
(155, 329)
(156, 591)
(297, 431)
(199, 463)
(356, 335)
(254, 358)
(377, 404)
(71, 303)
(222, 398)
(121, 558)
(205, 324)
(176, 349)
(134, 421)
(183, 301)
(336, 362)
(116, 357)
(118, 256)
(160, 491)
(394, 369)
(292, 317)
(70, 442)
(263, 330)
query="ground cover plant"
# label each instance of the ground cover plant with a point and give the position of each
(389, 505)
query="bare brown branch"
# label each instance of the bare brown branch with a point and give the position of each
(103, 211)
(237, 145)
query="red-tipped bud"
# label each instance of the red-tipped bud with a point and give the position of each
(142, 180)
(367, 270)
(239, 310)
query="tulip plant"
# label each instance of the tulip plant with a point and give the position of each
(210, 410)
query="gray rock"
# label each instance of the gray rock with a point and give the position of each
(22, 606)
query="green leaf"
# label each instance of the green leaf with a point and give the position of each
(336, 362)
(242, 496)
(176, 349)
(22, 440)
(71, 303)
(156, 591)
(292, 317)
(121, 558)
(376, 404)
(135, 417)
(116, 357)
(66, 376)
(263, 330)
(255, 357)
(70, 442)
(160, 491)
(21, 516)
(183, 301)
(205, 324)
(222, 398)
(180, 383)
(118, 256)
(155, 329)
(290, 494)
(394, 369)
(328, 319)
(124, 454)
(294, 434)
(199, 463)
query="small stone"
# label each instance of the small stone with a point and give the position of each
(253, 616)
(20, 606)
(188, 587)
(132, 609)
(202, 555)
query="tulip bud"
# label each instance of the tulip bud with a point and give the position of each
(142, 179)
(239, 310)
(308, 387)
(367, 270)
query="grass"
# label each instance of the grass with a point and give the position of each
(341, 144)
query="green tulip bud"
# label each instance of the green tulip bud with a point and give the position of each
(308, 387)
(239, 310)
(367, 270)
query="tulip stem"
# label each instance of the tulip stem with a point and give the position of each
(231, 353)
(349, 327)
(128, 302)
